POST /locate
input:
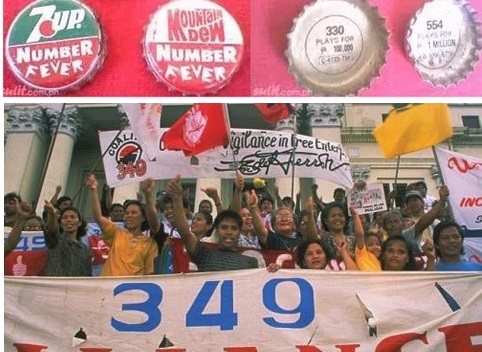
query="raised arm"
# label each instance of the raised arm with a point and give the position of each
(212, 193)
(147, 187)
(428, 218)
(23, 212)
(317, 200)
(106, 200)
(238, 192)
(52, 231)
(174, 189)
(357, 228)
(257, 221)
(312, 233)
(92, 184)
(279, 201)
(346, 256)
(54, 198)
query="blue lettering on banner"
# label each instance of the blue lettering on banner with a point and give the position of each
(150, 307)
(226, 319)
(305, 308)
(30, 243)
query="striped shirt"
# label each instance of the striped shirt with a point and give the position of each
(209, 259)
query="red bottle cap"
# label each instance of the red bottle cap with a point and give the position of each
(55, 45)
(193, 47)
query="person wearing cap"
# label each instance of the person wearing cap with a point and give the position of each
(448, 238)
(415, 206)
(428, 201)
(420, 242)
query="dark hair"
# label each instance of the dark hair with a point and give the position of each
(82, 230)
(206, 201)
(437, 230)
(144, 225)
(301, 251)
(269, 199)
(42, 222)
(116, 205)
(63, 199)
(167, 199)
(421, 183)
(412, 264)
(289, 200)
(226, 214)
(11, 196)
(326, 212)
(208, 217)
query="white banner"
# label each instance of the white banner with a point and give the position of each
(247, 310)
(145, 121)
(463, 176)
(368, 200)
(256, 154)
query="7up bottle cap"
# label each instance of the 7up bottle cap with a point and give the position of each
(55, 45)
(336, 47)
(444, 41)
(193, 46)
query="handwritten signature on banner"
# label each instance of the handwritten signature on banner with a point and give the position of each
(256, 163)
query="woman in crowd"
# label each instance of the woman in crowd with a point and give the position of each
(397, 255)
(316, 254)
(66, 254)
(335, 223)
(131, 251)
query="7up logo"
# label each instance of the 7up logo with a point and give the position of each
(52, 21)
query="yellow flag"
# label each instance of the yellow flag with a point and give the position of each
(412, 128)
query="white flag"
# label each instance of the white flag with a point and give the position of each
(145, 121)
(463, 176)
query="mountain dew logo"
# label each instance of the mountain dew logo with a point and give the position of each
(52, 21)
(54, 44)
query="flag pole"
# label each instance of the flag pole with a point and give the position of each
(293, 155)
(49, 156)
(392, 201)
(437, 162)
(228, 126)
(122, 128)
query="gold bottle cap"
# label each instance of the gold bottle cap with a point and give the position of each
(336, 47)
(444, 41)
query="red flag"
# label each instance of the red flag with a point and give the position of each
(273, 113)
(201, 128)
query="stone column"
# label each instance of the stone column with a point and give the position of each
(61, 156)
(326, 124)
(25, 148)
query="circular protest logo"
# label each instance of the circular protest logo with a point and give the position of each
(193, 46)
(130, 163)
(54, 45)
(130, 152)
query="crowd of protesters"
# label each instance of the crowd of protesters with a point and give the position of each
(419, 235)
